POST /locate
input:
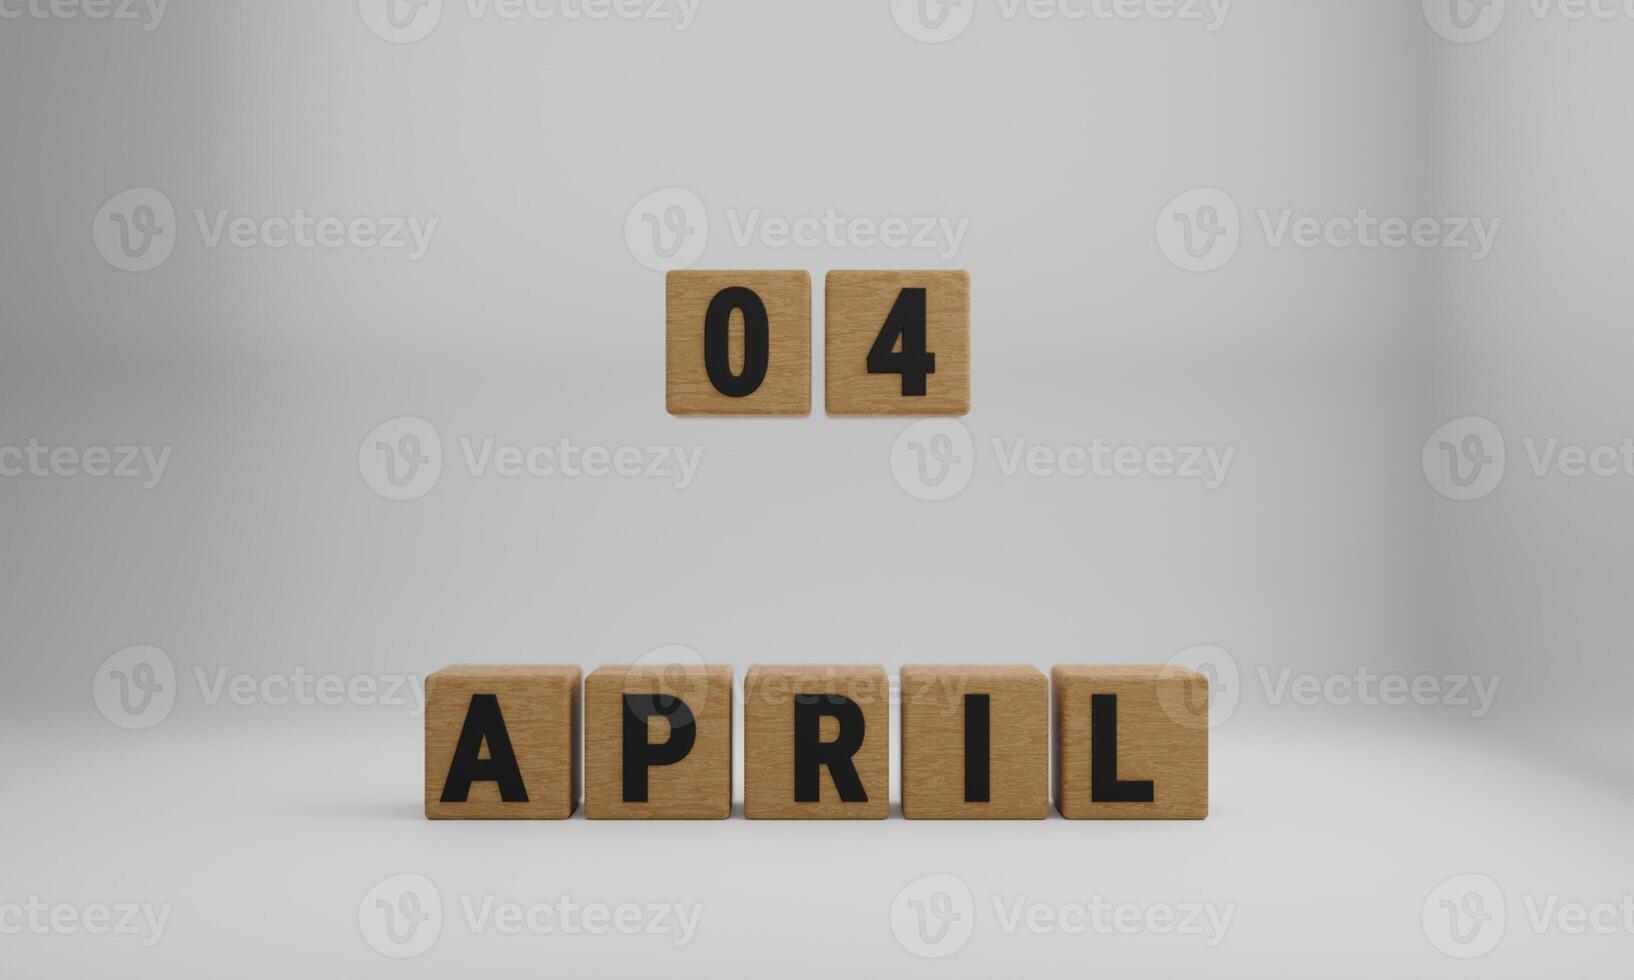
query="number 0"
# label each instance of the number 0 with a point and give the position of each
(756, 342)
(905, 325)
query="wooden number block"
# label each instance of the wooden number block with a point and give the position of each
(975, 743)
(502, 743)
(1131, 743)
(816, 743)
(658, 743)
(898, 343)
(739, 343)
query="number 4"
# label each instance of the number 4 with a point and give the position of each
(905, 326)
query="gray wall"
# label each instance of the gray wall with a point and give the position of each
(530, 320)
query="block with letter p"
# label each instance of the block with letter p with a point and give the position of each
(658, 743)
(816, 743)
(502, 743)
(1131, 743)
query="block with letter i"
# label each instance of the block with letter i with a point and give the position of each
(897, 342)
(502, 743)
(738, 342)
(658, 743)
(816, 743)
(975, 743)
(1131, 743)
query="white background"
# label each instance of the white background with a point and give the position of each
(531, 318)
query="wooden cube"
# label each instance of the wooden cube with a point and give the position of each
(739, 343)
(897, 342)
(658, 743)
(975, 743)
(816, 743)
(1131, 743)
(502, 743)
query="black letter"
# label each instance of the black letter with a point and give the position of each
(483, 722)
(1104, 784)
(978, 748)
(756, 342)
(810, 754)
(906, 324)
(638, 754)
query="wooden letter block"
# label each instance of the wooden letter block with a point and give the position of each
(502, 743)
(975, 743)
(816, 743)
(739, 343)
(1131, 743)
(658, 743)
(898, 343)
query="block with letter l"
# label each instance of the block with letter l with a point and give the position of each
(1131, 743)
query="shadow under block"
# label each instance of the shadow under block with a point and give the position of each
(502, 743)
(1131, 743)
(897, 320)
(975, 743)
(816, 743)
(658, 743)
(738, 342)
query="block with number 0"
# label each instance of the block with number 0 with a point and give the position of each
(898, 342)
(738, 342)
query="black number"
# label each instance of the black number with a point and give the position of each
(756, 342)
(905, 325)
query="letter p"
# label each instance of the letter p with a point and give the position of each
(640, 753)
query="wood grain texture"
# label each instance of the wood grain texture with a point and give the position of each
(699, 786)
(786, 389)
(541, 712)
(857, 304)
(933, 743)
(1162, 736)
(768, 742)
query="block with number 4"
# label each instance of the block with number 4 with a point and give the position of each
(738, 343)
(898, 342)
